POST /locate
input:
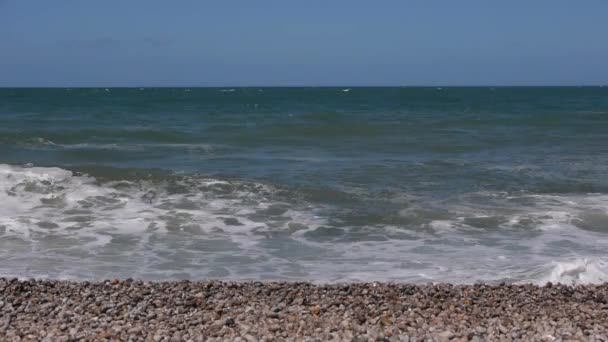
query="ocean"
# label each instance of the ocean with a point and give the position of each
(410, 184)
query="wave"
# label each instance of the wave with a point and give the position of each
(51, 195)
(95, 223)
(48, 144)
(578, 271)
(208, 148)
(67, 137)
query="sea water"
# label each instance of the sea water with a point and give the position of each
(461, 185)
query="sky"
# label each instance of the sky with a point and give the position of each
(70, 43)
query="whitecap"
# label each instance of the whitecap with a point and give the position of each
(197, 224)
(577, 271)
(47, 207)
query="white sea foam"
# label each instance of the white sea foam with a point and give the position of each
(55, 223)
(43, 141)
(578, 271)
(47, 203)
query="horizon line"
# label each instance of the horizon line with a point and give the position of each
(310, 86)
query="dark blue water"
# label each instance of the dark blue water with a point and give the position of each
(321, 184)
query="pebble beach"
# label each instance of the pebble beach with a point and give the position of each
(132, 310)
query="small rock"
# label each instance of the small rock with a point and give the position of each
(134, 330)
(444, 336)
(360, 338)
(229, 322)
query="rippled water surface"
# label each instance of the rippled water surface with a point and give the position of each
(318, 184)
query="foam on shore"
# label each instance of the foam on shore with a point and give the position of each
(57, 223)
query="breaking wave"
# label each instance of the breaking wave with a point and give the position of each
(63, 223)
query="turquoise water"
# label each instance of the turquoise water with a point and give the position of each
(319, 184)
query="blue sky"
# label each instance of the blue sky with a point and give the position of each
(337, 42)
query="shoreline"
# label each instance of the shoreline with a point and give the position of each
(55, 310)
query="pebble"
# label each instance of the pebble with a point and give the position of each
(444, 336)
(51, 310)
